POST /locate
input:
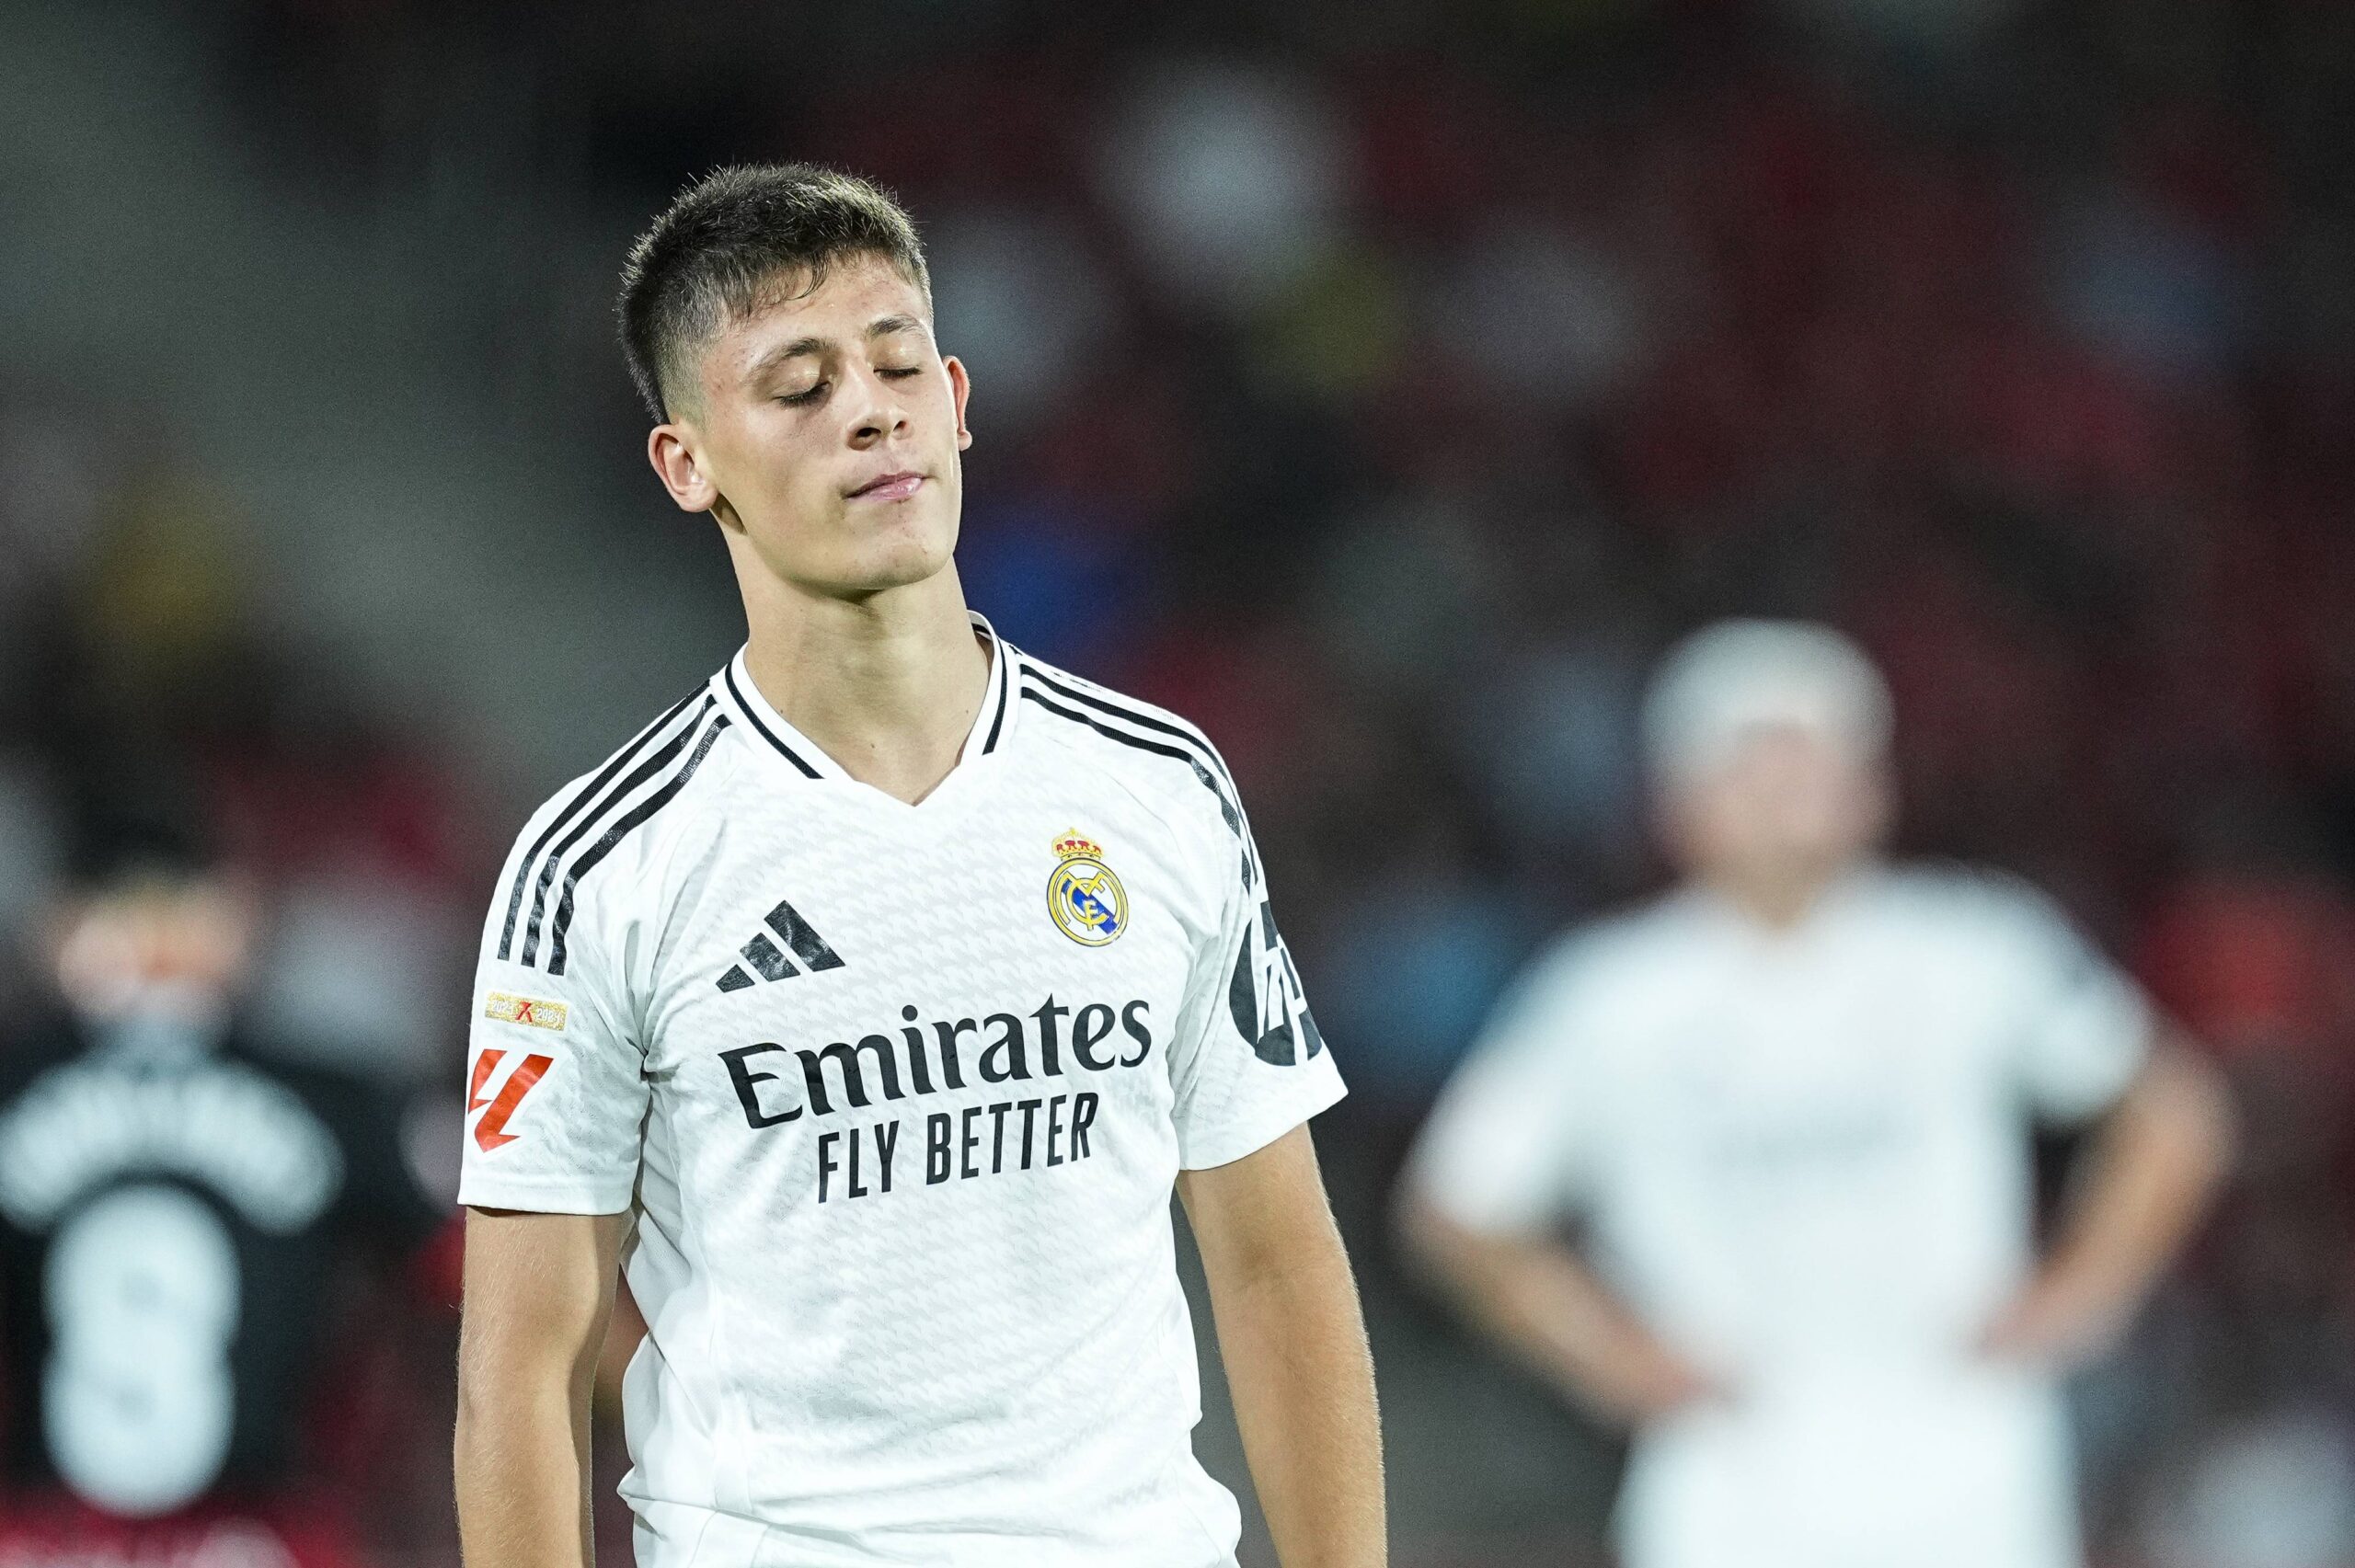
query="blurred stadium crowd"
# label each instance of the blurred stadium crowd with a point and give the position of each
(1380, 386)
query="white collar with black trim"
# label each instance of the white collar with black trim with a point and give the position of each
(991, 725)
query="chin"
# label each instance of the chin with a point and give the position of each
(852, 562)
(899, 564)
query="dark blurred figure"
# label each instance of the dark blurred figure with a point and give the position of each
(177, 1204)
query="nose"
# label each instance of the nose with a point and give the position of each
(876, 414)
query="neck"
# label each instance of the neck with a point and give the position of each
(887, 684)
(1779, 899)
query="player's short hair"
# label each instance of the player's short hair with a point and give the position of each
(1727, 682)
(726, 245)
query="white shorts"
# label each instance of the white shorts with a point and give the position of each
(673, 1535)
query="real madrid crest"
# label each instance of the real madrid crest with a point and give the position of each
(1087, 901)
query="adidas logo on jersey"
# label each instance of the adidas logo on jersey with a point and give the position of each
(770, 963)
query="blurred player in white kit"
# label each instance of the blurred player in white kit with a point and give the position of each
(1789, 1106)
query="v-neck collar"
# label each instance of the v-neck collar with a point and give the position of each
(992, 724)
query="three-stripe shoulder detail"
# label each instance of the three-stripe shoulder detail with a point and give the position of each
(572, 809)
(655, 749)
(622, 826)
(1160, 735)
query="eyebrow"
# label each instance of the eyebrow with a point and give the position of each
(882, 325)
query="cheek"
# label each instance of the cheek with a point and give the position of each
(764, 449)
(784, 500)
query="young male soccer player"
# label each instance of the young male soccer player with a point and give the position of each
(1791, 1102)
(868, 1006)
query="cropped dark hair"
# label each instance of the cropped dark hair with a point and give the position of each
(724, 245)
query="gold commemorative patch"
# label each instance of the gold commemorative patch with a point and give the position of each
(529, 1010)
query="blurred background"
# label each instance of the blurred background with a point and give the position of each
(1380, 384)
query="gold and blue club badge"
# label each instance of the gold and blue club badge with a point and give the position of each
(1085, 901)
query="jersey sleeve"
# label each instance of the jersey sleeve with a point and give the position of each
(2083, 1029)
(1503, 1150)
(556, 1092)
(1248, 1063)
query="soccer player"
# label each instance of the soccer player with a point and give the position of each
(172, 1194)
(868, 1006)
(1789, 1106)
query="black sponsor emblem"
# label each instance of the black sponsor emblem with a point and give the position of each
(1265, 997)
(769, 961)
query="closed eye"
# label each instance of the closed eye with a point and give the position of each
(797, 399)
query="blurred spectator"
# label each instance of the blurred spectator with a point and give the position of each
(1231, 179)
(1789, 1103)
(175, 1202)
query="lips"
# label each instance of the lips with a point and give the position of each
(889, 487)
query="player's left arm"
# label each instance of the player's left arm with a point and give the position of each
(1293, 1341)
(2157, 1159)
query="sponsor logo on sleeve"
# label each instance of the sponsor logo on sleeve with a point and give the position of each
(1265, 999)
(530, 1009)
(490, 1131)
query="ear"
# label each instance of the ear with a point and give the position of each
(961, 387)
(671, 449)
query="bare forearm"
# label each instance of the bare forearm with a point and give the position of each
(1294, 1346)
(2153, 1170)
(1545, 1308)
(539, 1292)
(1545, 1305)
(522, 1473)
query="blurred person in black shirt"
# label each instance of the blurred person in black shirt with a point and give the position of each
(173, 1203)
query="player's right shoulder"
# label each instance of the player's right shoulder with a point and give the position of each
(1160, 750)
(600, 829)
(1159, 758)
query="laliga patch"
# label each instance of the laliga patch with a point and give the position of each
(528, 1009)
(1085, 901)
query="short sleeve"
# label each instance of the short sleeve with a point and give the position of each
(556, 1092)
(1248, 1063)
(2082, 1029)
(1502, 1151)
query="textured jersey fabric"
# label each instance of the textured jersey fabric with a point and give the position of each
(1803, 1160)
(897, 1096)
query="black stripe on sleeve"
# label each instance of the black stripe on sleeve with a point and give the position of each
(767, 733)
(1199, 750)
(624, 825)
(572, 807)
(1132, 714)
(1124, 737)
(1226, 808)
(653, 764)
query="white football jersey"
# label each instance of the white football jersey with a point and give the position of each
(1803, 1159)
(896, 1095)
